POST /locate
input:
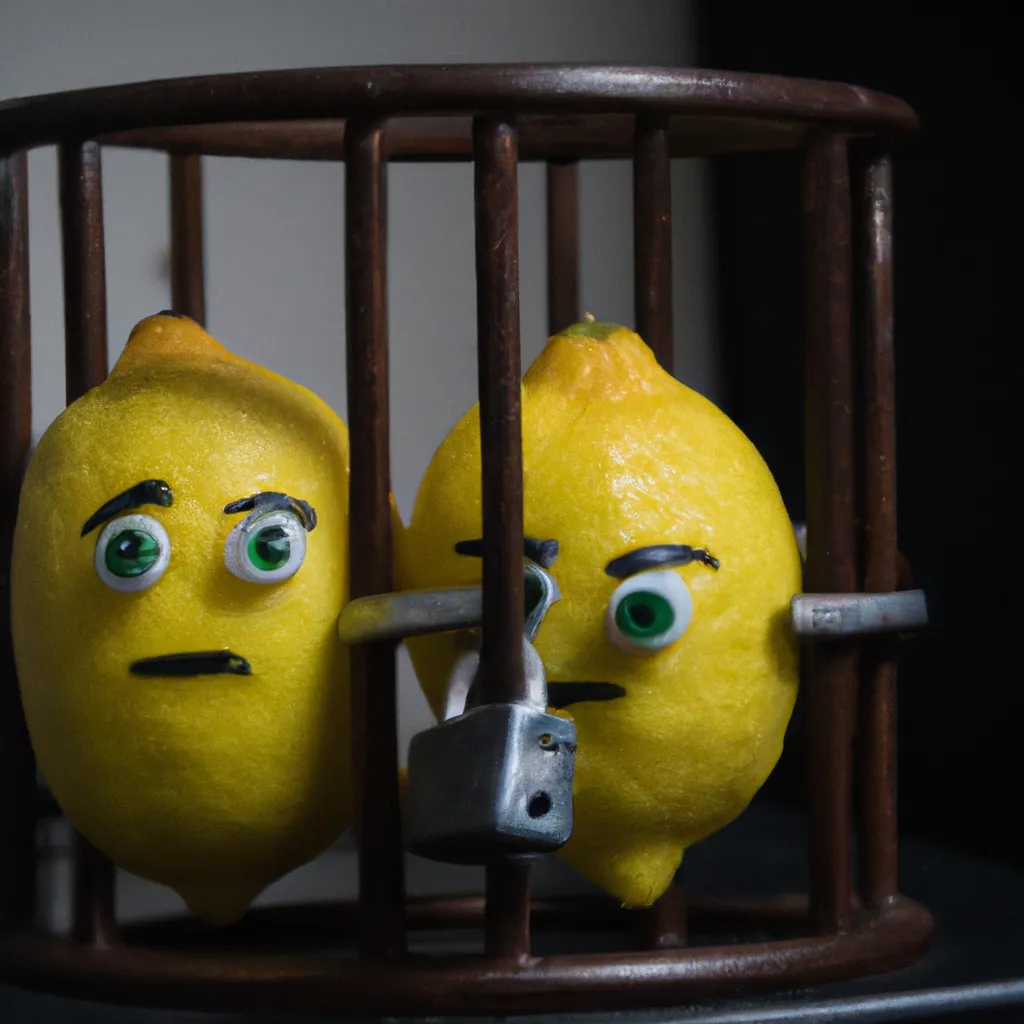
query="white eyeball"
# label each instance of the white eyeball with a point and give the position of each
(648, 612)
(132, 553)
(267, 549)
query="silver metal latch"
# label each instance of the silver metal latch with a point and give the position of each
(833, 616)
(490, 782)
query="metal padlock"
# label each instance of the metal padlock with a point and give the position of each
(492, 782)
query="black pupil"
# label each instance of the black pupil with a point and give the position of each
(642, 615)
(272, 544)
(128, 545)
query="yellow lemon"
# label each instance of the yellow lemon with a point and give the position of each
(676, 560)
(180, 562)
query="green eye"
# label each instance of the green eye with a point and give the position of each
(644, 614)
(649, 612)
(130, 553)
(270, 548)
(267, 549)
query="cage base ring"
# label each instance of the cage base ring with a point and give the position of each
(879, 940)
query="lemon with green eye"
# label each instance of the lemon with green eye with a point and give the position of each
(676, 562)
(180, 562)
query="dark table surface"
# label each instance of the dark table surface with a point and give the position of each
(974, 972)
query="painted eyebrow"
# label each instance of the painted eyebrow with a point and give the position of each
(658, 556)
(543, 552)
(146, 492)
(274, 501)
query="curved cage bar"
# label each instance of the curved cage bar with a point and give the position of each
(354, 957)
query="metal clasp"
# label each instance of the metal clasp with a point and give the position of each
(408, 613)
(834, 616)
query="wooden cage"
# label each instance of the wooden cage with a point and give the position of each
(494, 116)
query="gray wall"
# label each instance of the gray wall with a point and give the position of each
(275, 229)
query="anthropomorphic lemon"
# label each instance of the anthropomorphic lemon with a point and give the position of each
(676, 561)
(180, 562)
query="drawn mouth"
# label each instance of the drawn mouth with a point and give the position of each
(561, 695)
(193, 663)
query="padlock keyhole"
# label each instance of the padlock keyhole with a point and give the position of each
(539, 805)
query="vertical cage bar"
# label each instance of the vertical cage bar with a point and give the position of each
(665, 924)
(85, 287)
(374, 692)
(507, 917)
(85, 345)
(495, 146)
(877, 733)
(17, 766)
(93, 920)
(563, 227)
(652, 236)
(831, 557)
(496, 155)
(187, 274)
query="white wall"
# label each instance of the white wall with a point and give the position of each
(275, 230)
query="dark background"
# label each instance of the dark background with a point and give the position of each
(959, 419)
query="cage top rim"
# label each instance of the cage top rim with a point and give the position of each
(433, 89)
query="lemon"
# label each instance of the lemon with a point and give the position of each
(670, 648)
(180, 562)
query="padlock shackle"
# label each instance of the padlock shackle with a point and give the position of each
(461, 690)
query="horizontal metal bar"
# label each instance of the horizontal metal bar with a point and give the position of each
(826, 616)
(813, 616)
(410, 613)
(395, 616)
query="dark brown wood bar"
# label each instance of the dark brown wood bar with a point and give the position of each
(85, 283)
(374, 688)
(652, 237)
(187, 261)
(17, 765)
(665, 925)
(85, 343)
(93, 905)
(543, 137)
(877, 732)
(497, 274)
(831, 565)
(563, 243)
(496, 206)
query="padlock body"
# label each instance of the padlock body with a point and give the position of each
(492, 784)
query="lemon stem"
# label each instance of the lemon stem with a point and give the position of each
(591, 328)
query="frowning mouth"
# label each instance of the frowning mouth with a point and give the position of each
(193, 663)
(561, 695)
